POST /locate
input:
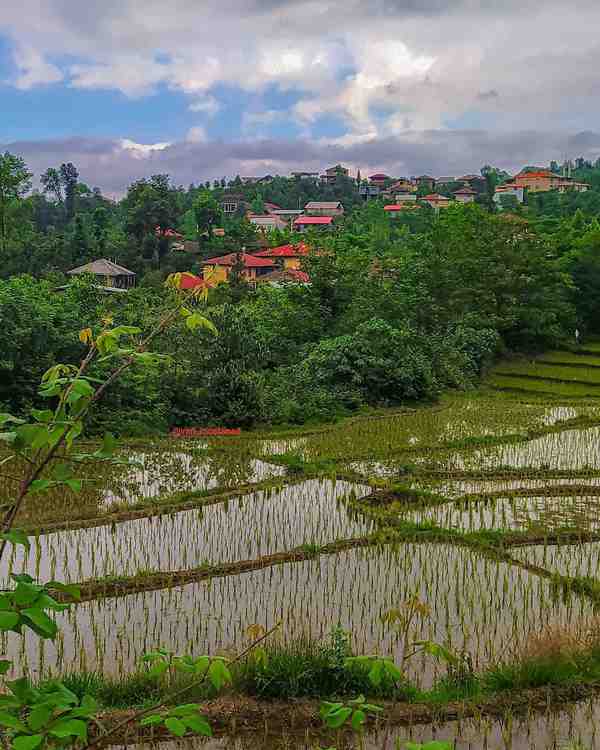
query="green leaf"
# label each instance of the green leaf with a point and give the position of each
(376, 673)
(109, 444)
(32, 436)
(69, 728)
(358, 719)
(74, 485)
(27, 593)
(16, 537)
(39, 717)
(39, 485)
(8, 720)
(198, 724)
(218, 674)
(195, 320)
(9, 701)
(42, 415)
(437, 651)
(79, 389)
(8, 418)
(183, 710)
(40, 622)
(335, 719)
(158, 668)
(175, 726)
(89, 706)
(150, 720)
(21, 689)
(62, 472)
(27, 742)
(5, 665)
(392, 670)
(9, 620)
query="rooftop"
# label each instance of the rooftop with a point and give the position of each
(102, 267)
(322, 205)
(249, 261)
(287, 274)
(284, 251)
(314, 220)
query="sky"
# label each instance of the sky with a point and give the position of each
(213, 88)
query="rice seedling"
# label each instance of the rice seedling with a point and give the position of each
(310, 513)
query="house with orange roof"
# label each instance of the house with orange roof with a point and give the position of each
(543, 180)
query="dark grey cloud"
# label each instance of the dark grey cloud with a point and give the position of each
(107, 164)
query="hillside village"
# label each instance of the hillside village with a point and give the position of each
(263, 259)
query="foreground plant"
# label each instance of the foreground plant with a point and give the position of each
(53, 716)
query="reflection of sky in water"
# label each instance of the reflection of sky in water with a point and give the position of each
(582, 512)
(571, 449)
(566, 559)
(477, 604)
(163, 473)
(240, 529)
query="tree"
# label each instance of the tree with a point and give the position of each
(51, 182)
(238, 286)
(15, 181)
(69, 178)
(207, 214)
(100, 222)
(150, 206)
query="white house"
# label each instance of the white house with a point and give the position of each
(517, 191)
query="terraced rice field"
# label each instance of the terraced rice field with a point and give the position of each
(485, 506)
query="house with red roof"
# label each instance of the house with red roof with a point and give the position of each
(304, 223)
(395, 209)
(217, 270)
(285, 256)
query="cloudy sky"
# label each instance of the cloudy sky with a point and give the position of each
(212, 88)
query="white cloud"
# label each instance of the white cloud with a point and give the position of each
(142, 150)
(390, 66)
(208, 105)
(34, 70)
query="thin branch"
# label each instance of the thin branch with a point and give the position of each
(178, 693)
(40, 464)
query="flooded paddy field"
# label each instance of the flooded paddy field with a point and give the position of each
(337, 526)
(476, 605)
(236, 528)
(532, 512)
